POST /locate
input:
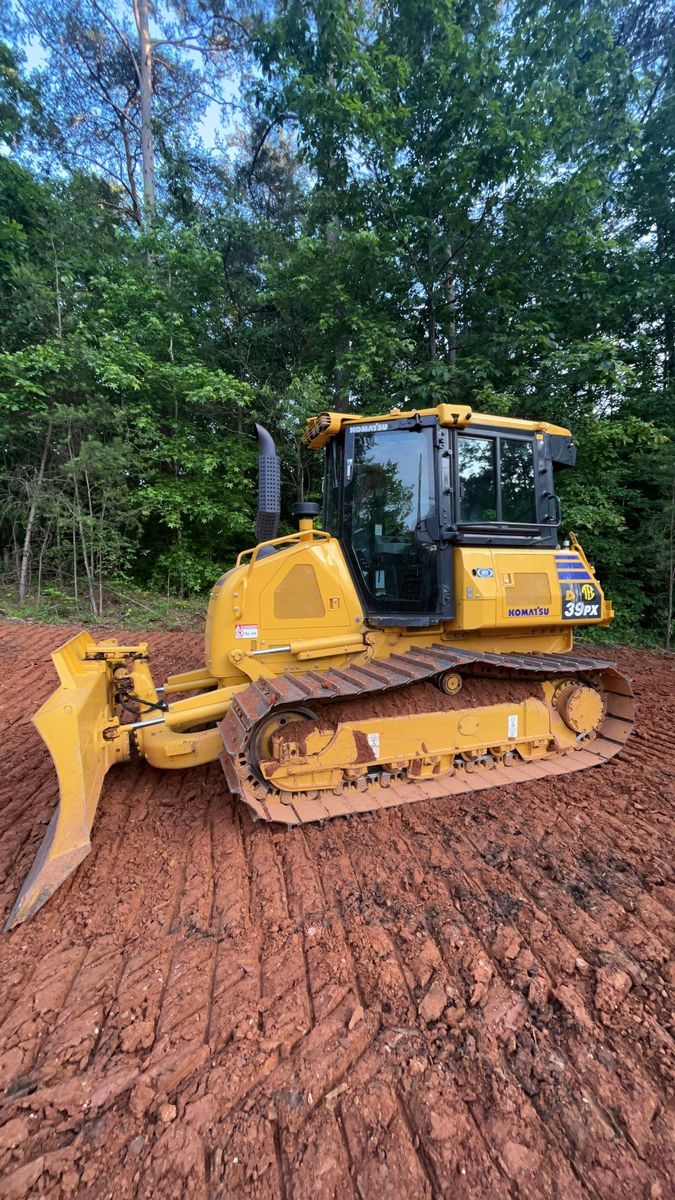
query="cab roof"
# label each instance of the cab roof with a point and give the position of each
(327, 425)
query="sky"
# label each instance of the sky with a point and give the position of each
(214, 123)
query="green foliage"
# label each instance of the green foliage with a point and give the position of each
(126, 607)
(418, 203)
(20, 107)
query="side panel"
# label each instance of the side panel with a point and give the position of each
(515, 598)
(301, 591)
(526, 589)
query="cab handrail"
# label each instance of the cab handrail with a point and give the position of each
(289, 538)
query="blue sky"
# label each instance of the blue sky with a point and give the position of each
(212, 125)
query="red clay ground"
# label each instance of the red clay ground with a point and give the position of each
(462, 999)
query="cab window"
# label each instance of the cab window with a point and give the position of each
(477, 480)
(496, 480)
(516, 463)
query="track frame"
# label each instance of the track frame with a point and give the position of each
(259, 701)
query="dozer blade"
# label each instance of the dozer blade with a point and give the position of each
(71, 723)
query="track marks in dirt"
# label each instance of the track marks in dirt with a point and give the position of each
(478, 1002)
(462, 998)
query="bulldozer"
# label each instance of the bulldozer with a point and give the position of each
(418, 646)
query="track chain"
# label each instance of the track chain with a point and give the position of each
(260, 699)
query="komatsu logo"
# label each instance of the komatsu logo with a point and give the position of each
(528, 612)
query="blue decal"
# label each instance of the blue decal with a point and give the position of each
(484, 572)
(571, 569)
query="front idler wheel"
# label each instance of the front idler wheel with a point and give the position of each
(260, 742)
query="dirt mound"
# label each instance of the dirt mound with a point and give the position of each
(466, 997)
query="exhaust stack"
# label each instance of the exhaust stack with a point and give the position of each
(269, 488)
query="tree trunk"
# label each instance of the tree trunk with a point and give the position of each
(43, 547)
(57, 525)
(670, 570)
(83, 546)
(15, 552)
(25, 553)
(663, 248)
(431, 307)
(85, 559)
(452, 308)
(129, 162)
(57, 294)
(75, 585)
(92, 554)
(332, 234)
(101, 540)
(141, 14)
(432, 327)
(669, 338)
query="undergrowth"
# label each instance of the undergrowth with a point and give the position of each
(122, 605)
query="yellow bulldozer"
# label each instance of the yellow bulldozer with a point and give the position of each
(417, 646)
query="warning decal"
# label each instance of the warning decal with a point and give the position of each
(246, 631)
(374, 743)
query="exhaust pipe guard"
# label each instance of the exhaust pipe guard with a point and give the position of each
(269, 487)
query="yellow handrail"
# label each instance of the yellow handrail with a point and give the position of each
(319, 534)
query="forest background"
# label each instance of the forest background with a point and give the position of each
(212, 214)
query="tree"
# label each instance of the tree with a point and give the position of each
(110, 82)
(434, 173)
(412, 204)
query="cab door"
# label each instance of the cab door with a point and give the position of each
(390, 529)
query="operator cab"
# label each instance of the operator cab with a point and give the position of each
(400, 492)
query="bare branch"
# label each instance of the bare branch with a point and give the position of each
(120, 34)
(201, 31)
